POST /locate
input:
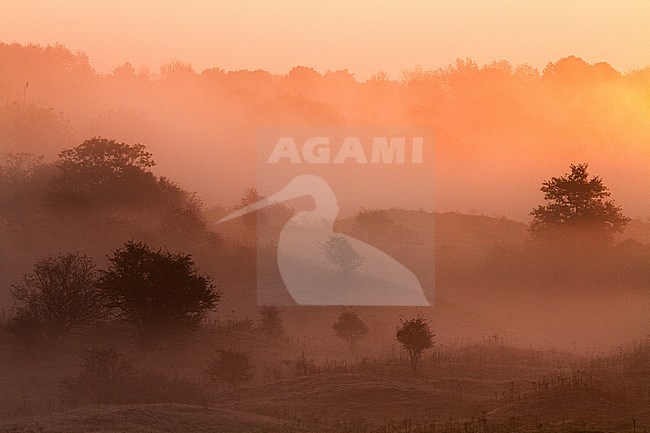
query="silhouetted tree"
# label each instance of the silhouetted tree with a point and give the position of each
(185, 219)
(229, 367)
(159, 293)
(373, 222)
(60, 295)
(340, 252)
(18, 167)
(29, 128)
(251, 196)
(103, 171)
(377, 224)
(577, 206)
(350, 328)
(416, 337)
(23, 180)
(107, 156)
(177, 71)
(271, 320)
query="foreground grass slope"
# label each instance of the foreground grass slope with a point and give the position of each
(477, 388)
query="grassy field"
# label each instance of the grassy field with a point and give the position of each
(479, 387)
(506, 359)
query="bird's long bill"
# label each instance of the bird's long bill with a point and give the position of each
(287, 193)
(247, 209)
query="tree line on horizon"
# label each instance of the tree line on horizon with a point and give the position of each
(481, 113)
(513, 99)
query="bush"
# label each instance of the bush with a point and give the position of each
(160, 294)
(105, 377)
(108, 377)
(350, 328)
(229, 367)
(302, 366)
(416, 337)
(271, 321)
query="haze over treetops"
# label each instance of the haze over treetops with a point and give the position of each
(500, 129)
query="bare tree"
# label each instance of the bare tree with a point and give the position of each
(60, 294)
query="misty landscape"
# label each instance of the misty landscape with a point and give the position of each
(130, 301)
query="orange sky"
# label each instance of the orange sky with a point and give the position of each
(364, 37)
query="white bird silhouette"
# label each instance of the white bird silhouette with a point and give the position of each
(311, 278)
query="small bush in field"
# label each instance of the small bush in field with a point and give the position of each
(271, 321)
(105, 377)
(350, 328)
(108, 377)
(156, 387)
(416, 337)
(229, 367)
(302, 366)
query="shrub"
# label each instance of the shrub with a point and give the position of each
(108, 377)
(302, 366)
(271, 321)
(229, 367)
